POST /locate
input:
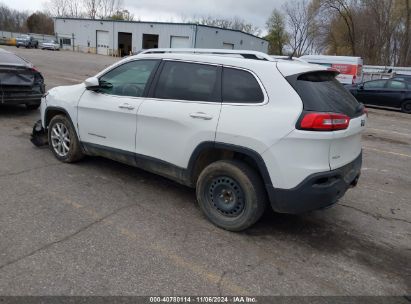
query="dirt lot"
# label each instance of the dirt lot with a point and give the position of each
(103, 228)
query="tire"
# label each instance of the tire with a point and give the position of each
(17, 46)
(231, 195)
(406, 107)
(32, 106)
(56, 139)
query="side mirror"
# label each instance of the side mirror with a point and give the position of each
(91, 83)
(361, 87)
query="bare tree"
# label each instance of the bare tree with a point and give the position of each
(106, 8)
(91, 8)
(235, 23)
(345, 9)
(75, 8)
(301, 23)
(57, 8)
(12, 20)
(405, 56)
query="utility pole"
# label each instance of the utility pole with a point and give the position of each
(72, 35)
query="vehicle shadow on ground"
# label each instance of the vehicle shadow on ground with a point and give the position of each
(15, 110)
(310, 230)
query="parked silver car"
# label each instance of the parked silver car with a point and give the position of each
(27, 41)
(50, 45)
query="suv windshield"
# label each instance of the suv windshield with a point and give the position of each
(321, 92)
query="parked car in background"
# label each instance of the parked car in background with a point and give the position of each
(402, 77)
(384, 92)
(20, 82)
(244, 129)
(27, 41)
(50, 45)
(350, 68)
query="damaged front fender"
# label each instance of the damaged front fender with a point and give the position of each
(39, 136)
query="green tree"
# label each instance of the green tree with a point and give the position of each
(277, 34)
(122, 15)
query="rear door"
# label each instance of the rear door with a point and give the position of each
(182, 112)
(322, 93)
(373, 92)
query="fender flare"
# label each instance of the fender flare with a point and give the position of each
(262, 168)
(53, 108)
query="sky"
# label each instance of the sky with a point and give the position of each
(253, 11)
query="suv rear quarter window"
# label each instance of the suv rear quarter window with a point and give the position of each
(240, 86)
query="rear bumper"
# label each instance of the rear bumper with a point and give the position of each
(22, 95)
(317, 191)
(28, 99)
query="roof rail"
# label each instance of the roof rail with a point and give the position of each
(245, 54)
(282, 57)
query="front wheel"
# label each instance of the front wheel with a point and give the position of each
(406, 106)
(231, 195)
(63, 140)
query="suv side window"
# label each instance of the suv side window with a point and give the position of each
(129, 79)
(240, 86)
(376, 84)
(187, 81)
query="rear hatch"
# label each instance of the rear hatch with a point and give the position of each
(322, 94)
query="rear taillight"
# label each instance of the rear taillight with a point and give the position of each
(324, 122)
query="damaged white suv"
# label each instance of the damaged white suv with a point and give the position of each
(243, 128)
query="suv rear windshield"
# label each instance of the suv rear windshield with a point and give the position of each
(321, 92)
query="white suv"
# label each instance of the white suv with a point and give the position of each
(241, 127)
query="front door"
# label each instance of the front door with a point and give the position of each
(107, 117)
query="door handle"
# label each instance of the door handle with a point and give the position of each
(126, 106)
(201, 115)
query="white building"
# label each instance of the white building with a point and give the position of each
(113, 37)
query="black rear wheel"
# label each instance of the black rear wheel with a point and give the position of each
(406, 106)
(231, 195)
